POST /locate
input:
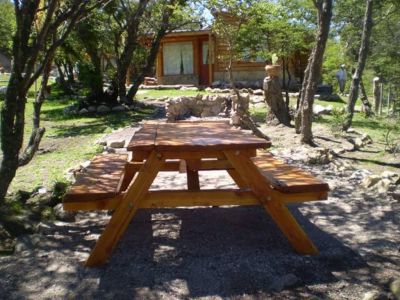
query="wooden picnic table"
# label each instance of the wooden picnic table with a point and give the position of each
(157, 147)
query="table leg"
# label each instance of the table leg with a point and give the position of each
(192, 167)
(125, 210)
(271, 202)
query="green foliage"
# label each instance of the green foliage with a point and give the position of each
(7, 26)
(338, 117)
(88, 76)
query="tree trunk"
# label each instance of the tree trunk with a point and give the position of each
(37, 131)
(366, 105)
(288, 86)
(12, 130)
(242, 107)
(274, 99)
(362, 58)
(130, 44)
(312, 74)
(377, 95)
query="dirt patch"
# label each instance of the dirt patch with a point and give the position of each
(223, 253)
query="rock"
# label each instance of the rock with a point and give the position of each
(116, 144)
(375, 295)
(395, 195)
(3, 90)
(370, 181)
(258, 92)
(283, 282)
(45, 227)
(383, 185)
(320, 110)
(395, 288)
(27, 242)
(7, 241)
(84, 164)
(319, 156)
(18, 225)
(189, 88)
(63, 215)
(83, 111)
(392, 176)
(103, 109)
(360, 174)
(92, 109)
(358, 143)
(366, 139)
(40, 200)
(118, 108)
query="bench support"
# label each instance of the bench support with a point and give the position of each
(125, 210)
(271, 201)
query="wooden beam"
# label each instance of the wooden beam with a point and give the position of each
(182, 198)
(172, 199)
(173, 166)
(125, 210)
(272, 201)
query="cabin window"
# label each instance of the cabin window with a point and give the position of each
(178, 58)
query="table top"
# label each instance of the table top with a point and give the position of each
(193, 136)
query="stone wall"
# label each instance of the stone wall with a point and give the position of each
(199, 106)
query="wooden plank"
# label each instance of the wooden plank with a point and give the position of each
(173, 166)
(286, 178)
(101, 179)
(205, 136)
(171, 199)
(125, 210)
(203, 154)
(192, 174)
(272, 203)
(144, 138)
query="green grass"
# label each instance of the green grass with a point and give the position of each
(4, 79)
(68, 141)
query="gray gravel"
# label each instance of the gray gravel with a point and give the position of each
(219, 253)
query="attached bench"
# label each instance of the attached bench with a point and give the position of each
(290, 180)
(102, 180)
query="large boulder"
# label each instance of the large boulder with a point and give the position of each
(320, 110)
(370, 181)
(102, 109)
(63, 215)
(119, 108)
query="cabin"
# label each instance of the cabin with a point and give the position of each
(196, 57)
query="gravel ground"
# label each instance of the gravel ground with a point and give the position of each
(219, 253)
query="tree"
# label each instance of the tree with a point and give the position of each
(230, 18)
(312, 74)
(40, 30)
(362, 58)
(137, 29)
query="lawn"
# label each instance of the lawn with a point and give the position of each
(69, 140)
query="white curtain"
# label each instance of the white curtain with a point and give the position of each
(178, 58)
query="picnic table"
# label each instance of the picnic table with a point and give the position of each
(112, 182)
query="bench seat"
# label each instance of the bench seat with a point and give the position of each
(102, 179)
(288, 179)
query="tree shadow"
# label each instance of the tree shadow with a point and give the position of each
(222, 252)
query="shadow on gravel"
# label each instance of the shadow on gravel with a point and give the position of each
(216, 252)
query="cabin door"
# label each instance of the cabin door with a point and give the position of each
(204, 60)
